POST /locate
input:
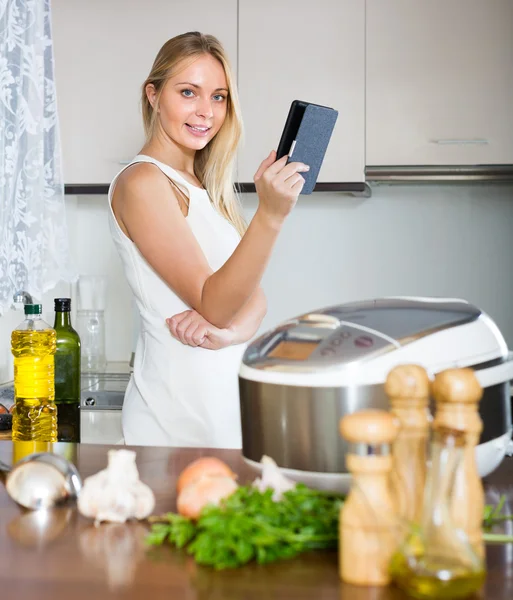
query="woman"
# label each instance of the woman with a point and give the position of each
(193, 266)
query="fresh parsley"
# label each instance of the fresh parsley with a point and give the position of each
(249, 525)
(492, 516)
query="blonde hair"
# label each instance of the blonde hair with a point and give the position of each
(213, 165)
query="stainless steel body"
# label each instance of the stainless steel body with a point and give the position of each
(298, 426)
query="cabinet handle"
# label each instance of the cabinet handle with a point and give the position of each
(449, 142)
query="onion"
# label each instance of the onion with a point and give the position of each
(203, 491)
(206, 466)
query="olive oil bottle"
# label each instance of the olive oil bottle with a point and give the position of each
(67, 373)
(33, 345)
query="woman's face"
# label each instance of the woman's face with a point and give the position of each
(193, 103)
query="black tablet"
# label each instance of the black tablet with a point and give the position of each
(306, 136)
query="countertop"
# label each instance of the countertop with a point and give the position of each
(64, 556)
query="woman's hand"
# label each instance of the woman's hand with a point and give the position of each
(278, 185)
(190, 328)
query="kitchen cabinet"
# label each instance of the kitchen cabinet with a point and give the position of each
(103, 53)
(439, 82)
(293, 49)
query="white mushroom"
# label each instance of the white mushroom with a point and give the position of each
(116, 494)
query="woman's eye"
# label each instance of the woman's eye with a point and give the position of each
(219, 97)
(187, 93)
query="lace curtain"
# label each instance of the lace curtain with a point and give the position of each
(34, 253)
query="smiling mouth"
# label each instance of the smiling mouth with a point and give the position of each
(198, 129)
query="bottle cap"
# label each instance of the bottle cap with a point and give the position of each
(458, 386)
(407, 381)
(33, 309)
(369, 427)
(62, 304)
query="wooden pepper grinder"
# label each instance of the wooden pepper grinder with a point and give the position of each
(457, 393)
(407, 387)
(368, 517)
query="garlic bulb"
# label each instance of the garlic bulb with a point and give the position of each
(116, 494)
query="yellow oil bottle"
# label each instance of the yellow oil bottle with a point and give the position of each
(22, 449)
(33, 345)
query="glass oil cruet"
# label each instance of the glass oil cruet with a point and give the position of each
(436, 559)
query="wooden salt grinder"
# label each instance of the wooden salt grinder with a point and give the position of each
(368, 517)
(407, 387)
(457, 393)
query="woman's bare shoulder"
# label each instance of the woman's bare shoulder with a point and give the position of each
(141, 177)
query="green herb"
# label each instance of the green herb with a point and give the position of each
(492, 514)
(249, 525)
(492, 517)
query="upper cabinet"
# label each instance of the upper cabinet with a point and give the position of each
(439, 82)
(295, 50)
(103, 53)
(426, 83)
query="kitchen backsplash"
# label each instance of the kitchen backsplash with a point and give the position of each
(443, 240)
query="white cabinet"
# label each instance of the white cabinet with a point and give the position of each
(439, 82)
(299, 50)
(104, 51)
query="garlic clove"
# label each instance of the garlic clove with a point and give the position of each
(88, 501)
(144, 501)
(272, 477)
(117, 506)
(121, 466)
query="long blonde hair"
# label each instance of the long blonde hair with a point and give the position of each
(214, 164)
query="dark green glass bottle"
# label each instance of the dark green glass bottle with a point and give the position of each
(67, 374)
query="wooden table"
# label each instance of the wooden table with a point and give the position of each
(62, 556)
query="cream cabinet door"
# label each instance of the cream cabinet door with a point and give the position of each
(302, 50)
(104, 50)
(439, 81)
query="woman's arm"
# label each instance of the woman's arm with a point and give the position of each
(190, 328)
(249, 318)
(146, 207)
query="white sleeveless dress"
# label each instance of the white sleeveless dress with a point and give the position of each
(178, 395)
